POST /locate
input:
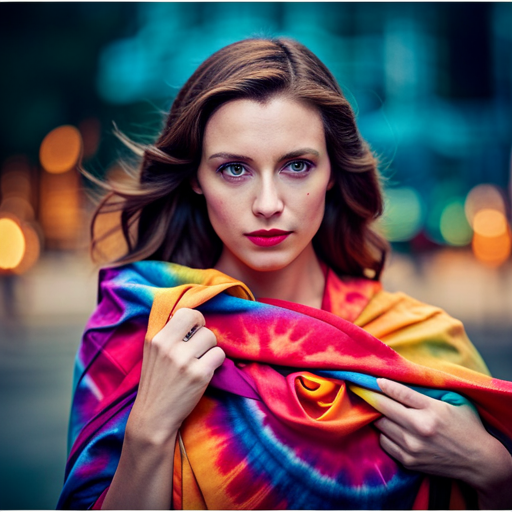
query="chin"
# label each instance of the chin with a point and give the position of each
(268, 262)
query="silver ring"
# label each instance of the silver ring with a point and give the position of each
(191, 333)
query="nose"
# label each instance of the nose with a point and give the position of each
(268, 201)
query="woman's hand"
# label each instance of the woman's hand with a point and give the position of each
(177, 366)
(432, 436)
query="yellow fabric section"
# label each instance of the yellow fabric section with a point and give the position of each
(168, 300)
(419, 332)
(192, 499)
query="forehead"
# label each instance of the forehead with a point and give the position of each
(247, 125)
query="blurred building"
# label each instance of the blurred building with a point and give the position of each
(431, 83)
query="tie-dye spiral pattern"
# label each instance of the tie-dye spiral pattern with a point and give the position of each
(286, 422)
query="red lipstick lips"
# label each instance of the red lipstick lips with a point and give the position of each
(267, 238)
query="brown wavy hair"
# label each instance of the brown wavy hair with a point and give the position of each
(163, 219)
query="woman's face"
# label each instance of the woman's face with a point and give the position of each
(264, 173)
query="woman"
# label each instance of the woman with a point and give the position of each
(260, 175)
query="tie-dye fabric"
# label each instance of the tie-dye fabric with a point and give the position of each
(286, 422)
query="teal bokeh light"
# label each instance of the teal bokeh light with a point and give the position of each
(404, 214)
(453, 225)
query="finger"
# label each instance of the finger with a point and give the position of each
(191, 333)
(213, 358)
(396, 451)
(181, 323)
(391, 430)
(400, 414)
(389, 407)
(403, 394)
(202, 341)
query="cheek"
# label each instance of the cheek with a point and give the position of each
(312, 205)
(223, 212)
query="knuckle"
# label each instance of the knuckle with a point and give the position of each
(190, 315)
(209, 335)
(156, 341)
(181, 313)
(178, 358)
(413, 446)
(218, 352)
(401, 394)
(198, 316)
(428, 427)
(182, 366)
(199, 375)
(186, 318)
(221, 353)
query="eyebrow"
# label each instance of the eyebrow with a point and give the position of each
(291, 154)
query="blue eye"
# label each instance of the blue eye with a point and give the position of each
(234, 170)
(299, 166)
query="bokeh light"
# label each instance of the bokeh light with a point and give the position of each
(403, 214)
(12, 243)
(61, 211)
(61, 149)
(454, 226)
(485, 210)
(484, 196)
(490, 223)
(32, 249)
(492, 250)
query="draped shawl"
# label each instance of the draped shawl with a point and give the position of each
(286, 422)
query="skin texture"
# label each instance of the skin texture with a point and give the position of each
(265, 166)
(250, 183)
(174, 376)
(434, 437)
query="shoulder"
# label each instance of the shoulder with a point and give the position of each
(421, 332)
(144, 276)
(136, 284)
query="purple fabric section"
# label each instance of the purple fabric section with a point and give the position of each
(230, 378)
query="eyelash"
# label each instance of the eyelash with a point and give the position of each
(298, 174)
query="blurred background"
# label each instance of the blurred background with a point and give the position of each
(432, 88)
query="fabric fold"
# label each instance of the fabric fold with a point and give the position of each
(287, 420)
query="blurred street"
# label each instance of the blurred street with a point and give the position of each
(50, 306)
(38, 341)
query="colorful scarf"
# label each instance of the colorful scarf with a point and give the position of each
(286, 422)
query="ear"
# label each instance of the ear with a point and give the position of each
(331, 183)
(195, 186)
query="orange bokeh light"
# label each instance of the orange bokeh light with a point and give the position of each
(32, 249)
(12, 243)
(61, 149)
(489, 222)
(482, 197)
(492, 250)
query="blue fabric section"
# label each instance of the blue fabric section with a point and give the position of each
(370, 382)
(361, 379)
(298, 480)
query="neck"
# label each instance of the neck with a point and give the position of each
(302, 281)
